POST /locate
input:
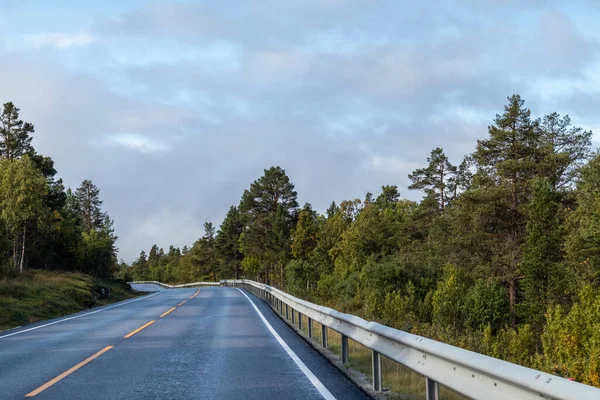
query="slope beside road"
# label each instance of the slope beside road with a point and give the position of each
(212, 343)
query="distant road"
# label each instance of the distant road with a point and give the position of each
(210, 343)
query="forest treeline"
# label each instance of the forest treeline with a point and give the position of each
(42, 225)
(501, 256)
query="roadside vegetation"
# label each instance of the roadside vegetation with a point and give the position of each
(38, 295)
(45, 226)
(501, 255)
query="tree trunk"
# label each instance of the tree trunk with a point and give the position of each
(15, 258)
(23, 249)
(512, 295)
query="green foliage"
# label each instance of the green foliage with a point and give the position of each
(15, 135)
(449, 308)
(22, 189)
(42, 225)
(491, 259)
(543, 269)
(571, 341)
(227, 244)
(486, 305)
(583, 225)
(270, 211)
(438, 180)
(87, 206)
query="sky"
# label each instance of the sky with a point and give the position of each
(172, 108)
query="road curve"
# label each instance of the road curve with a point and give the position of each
(172, 344)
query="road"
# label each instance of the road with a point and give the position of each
(210, 343)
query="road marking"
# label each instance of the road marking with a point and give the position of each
(182, 303)
(167, 313)
(311, 377)
(79, 316)
(130, 334)
(67, 373)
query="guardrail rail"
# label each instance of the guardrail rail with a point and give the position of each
(164, 285)
(471, 374)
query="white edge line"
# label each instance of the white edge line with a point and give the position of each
(80, 315)
(311, 377)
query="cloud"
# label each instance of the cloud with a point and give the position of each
(137, 142)
(179, 106)
(59, 40)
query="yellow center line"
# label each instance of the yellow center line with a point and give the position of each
(166, 313)
(67, 373)
(182, 303)
(130, 334)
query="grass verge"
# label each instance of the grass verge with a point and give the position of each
(38, 295)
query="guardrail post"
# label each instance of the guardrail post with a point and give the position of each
(344, 349)
(293, 317)
(433, 389)
(287, 312)
(299, 321)
(324, 336)
(310, 328)
(376, 368)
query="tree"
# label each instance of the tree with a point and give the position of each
(304, 238)
(227, 244)
(437, 179)
(88, 206)
(203, 255)
(544, 275)
(566, 149)
(209, 256)
(507, 162)
(140, 267)
(15, 135)
(463, 177)
(270, 209)
(389, 196)
(22, 192)
(583, 226)
(97, 252)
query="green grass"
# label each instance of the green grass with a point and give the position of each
(39, 295)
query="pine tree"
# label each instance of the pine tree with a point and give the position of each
(507, 162)
(227, 244)
(545, 278)
(436, 180)
(87, 198)
(15, 135)
(583, 226)
(566, 148)
(270, 209)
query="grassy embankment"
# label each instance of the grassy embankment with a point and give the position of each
(38, 295)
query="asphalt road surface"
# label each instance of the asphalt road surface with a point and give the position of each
(212, 343)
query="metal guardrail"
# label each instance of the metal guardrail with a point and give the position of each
(471, 374)
(176, 286)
